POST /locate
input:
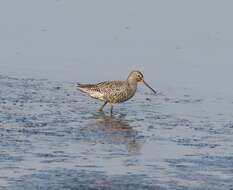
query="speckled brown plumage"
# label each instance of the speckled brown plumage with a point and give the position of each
(114, 92)
(110, 91)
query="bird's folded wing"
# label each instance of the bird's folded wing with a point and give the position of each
(111, 86)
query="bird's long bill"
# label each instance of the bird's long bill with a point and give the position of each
(149, 86)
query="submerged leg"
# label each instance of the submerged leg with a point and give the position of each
(111, 109)
(101, 108)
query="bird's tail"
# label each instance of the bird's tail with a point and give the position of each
(82, 87)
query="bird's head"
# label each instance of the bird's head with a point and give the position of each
(137, 76)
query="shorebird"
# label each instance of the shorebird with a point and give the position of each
(114, 92)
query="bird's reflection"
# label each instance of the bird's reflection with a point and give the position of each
(117, 130)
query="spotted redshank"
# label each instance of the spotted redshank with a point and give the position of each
(114, 92)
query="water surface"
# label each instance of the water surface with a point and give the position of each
(52, 137)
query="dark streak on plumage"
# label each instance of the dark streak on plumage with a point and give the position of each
(113, 91)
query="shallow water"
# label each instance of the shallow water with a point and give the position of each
(52, 137)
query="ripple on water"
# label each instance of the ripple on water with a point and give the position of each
(53, 138)
(73, 179)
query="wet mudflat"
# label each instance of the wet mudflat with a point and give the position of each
(51, 137)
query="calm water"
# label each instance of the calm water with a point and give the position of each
(52, 137)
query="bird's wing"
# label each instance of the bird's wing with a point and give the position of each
(106, 91)
(114, 91)
(111, 86)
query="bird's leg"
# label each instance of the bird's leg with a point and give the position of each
(111, 110)
(101, 108)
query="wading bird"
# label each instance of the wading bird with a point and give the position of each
(114, 92)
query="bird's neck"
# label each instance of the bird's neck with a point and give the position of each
(132, 83)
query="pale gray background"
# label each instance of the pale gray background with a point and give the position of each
(175, 43)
